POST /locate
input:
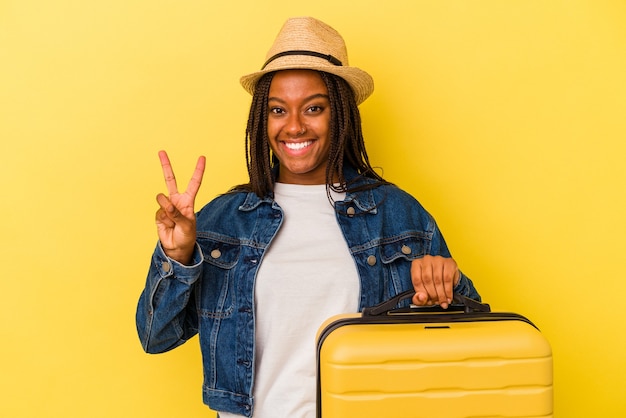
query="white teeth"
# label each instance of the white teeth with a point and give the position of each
(297, 145)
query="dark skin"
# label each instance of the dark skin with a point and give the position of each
(298, 128)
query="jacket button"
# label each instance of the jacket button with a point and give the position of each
(351, 211)
(216, 253)
(406, 250)
(166, 266)
(371, 260)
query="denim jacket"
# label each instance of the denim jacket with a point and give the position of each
(385, 229)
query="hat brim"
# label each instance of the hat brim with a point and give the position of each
(361, 82)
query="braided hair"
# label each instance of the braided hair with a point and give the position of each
(347, 146)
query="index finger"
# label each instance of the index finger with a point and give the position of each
(422, 283)
(168, 173)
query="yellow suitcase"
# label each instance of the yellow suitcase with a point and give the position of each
(466, 362)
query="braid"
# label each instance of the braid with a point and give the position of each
(337, 131)
(347, 142)
(258, 155)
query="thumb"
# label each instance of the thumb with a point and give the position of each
(420, 298)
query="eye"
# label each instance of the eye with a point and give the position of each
(277, 110)
(315, 109)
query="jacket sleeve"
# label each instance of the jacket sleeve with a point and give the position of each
(166, 314)
(465, 287)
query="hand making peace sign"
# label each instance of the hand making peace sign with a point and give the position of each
(176, 219)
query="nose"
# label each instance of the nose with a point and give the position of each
(295, 125)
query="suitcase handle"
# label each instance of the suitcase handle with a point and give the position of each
(459, 302)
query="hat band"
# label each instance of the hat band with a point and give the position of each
(329, 58)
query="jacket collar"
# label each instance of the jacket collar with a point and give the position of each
(363, 199)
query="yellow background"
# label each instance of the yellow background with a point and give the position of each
(505, 118)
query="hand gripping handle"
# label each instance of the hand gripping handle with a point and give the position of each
(459, 302)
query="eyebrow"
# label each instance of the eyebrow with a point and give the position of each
(307, 99)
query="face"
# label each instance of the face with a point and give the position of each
(298, 126)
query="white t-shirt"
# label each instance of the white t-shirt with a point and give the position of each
(306, 276)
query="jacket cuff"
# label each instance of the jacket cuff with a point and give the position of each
(170, 268)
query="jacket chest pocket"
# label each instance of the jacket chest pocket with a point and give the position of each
(408, 248)
(215, 294)
(396, 255)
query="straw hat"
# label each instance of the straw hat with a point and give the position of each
(305, 42)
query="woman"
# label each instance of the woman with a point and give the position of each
(316, 232)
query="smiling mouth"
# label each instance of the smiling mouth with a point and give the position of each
(295, 146)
